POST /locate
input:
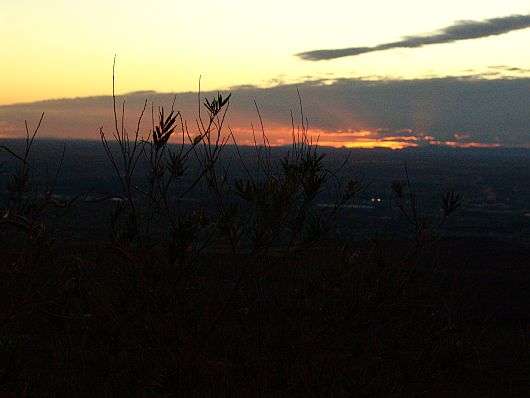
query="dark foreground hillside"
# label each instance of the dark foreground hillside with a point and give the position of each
(328, 321)
(273, 282)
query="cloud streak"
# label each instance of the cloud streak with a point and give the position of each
(461, 30)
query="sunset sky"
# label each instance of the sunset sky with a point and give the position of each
(437, 57)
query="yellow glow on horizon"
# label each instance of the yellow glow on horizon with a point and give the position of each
(379, 144)
(281, 136)
(361, 139)
(364, 139)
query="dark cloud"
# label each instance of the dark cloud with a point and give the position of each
(484, 111)
(461, 30)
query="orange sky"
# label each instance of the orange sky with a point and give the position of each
(60, 49)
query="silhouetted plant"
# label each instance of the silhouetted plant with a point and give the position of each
(450, 202)
(248, 292)
(216, 105)
(407, 203)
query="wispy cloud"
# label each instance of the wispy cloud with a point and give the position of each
(461, 30)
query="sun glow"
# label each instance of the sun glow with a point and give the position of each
(366, 139)
(362, 139)
(368, 144)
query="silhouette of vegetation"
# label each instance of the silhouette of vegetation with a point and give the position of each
(250, 292)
